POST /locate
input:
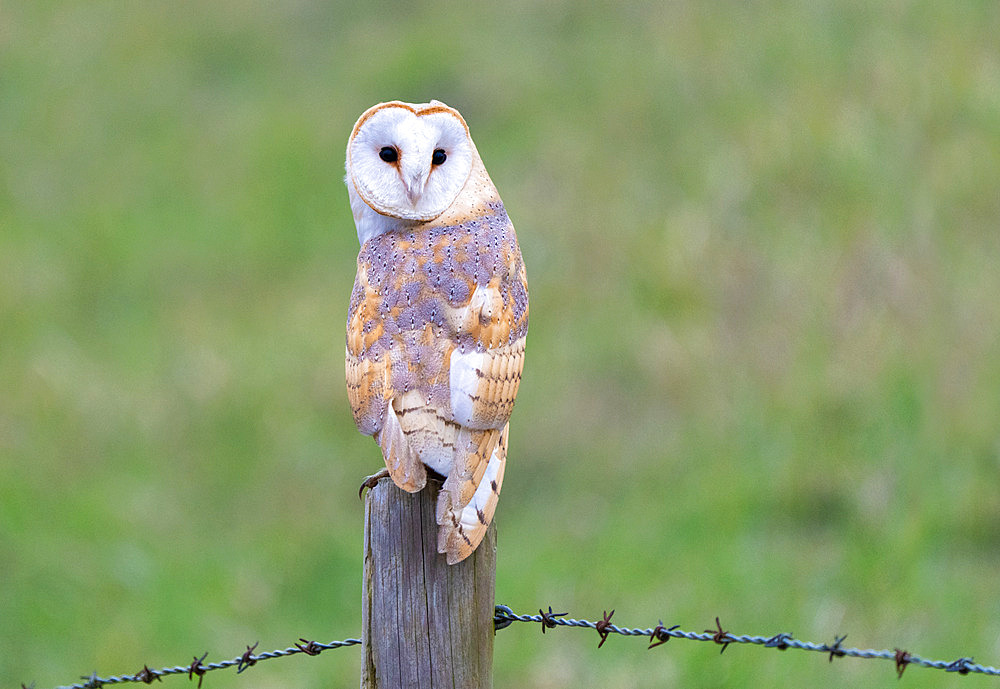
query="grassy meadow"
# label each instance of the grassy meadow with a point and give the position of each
(763, 375)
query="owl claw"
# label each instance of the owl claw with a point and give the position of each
(372, 481)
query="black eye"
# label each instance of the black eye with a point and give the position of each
(388, 154)
(439, 156)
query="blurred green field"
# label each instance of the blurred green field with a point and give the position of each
(763, 378)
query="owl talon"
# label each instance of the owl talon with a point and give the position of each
(372, 481)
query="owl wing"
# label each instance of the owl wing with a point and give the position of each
(484, 380)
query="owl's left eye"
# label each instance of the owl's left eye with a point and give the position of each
(439, 156)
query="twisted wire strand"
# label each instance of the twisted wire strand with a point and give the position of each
(198, 668)
(504, 616)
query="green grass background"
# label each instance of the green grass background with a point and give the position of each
(763, 376)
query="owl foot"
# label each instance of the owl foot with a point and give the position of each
(371, 481)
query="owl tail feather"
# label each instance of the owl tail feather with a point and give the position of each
(405, 467)
(462, 527)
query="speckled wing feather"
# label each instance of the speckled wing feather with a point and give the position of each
(435, 348)
(463, 527)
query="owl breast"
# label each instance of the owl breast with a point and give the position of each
(430, 304)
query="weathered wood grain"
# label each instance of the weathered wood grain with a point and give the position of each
(425, 623)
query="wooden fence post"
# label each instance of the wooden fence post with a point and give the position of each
(424, 623)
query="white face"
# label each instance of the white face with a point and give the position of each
(409, 165)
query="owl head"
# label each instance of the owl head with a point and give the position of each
(408, 161)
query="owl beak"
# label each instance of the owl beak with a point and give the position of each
(414, 185)
(414, 178)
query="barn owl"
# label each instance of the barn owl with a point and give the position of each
(438, 314)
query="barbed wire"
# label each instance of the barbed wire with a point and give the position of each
(503, 617)
(198, 667)
(659, 635)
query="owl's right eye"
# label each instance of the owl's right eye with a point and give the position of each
(388, 154)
